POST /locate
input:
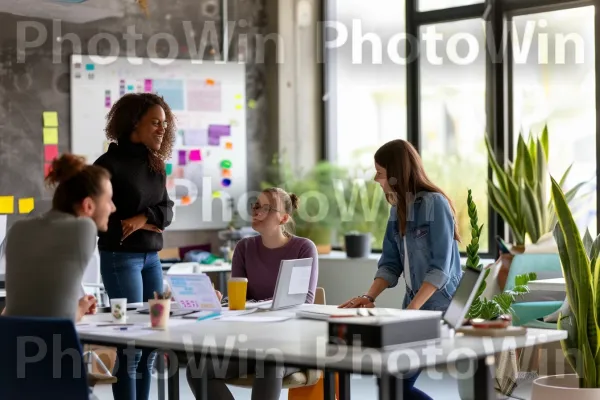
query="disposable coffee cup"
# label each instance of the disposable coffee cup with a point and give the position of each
(160, 311)
(118, 309)
(236, 291)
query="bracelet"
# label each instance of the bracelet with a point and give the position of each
(366, 296)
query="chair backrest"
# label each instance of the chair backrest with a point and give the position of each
(320, 296)
(545, 266)
(184, 268)
(41, 358)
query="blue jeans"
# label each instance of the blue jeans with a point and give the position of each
(410, 392)
(135, 276)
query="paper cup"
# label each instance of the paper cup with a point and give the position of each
(236, 291)
(160, 311)
(118, 309)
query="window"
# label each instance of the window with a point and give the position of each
(453, 117)
(366, 92)
(430, 5)
(554, 84)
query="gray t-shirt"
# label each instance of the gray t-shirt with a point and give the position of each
(46, 257)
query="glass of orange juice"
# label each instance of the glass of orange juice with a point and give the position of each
(236, 291)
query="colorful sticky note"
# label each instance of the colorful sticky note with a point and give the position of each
(226, 173)
(233, 122)
(229, 145)
(7, 204)
(219, 130)
(216, 195)
(50, 118)
(182, 157)
(50, 135)
(238, 96)
(89, 67)
(238, 106)
(50, 152)
(185, 200)
(169, 169)
(210, 82)
(26, 205)
(195, 155)
(226, 164)
(226, 182)
(252, 104)
(47, 168)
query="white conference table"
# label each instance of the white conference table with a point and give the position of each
(554, 285)
(304, 343)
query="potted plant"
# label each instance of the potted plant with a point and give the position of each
(581, 269)
(363, 211)
(519, 192)
(318, 215)
(490, 309)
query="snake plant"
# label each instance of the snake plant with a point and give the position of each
(501, 303)
(519, 192)
(581, 269)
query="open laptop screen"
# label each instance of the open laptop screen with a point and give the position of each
(463, 298)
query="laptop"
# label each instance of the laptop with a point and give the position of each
(454, 316)
(291, 288)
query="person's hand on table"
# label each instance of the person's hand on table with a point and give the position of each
(87, 305)
(133, 224)
(219, 295)
(358, 302)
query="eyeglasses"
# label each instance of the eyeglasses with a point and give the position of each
(262, 208)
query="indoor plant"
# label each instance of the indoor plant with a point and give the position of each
(364, 211)
(501, 303)
(581, 269)
(318, 215)
(519, 191)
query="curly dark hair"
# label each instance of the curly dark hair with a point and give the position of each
(125, 115)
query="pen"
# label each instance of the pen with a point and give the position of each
(124, 328)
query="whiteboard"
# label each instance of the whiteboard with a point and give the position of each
(207, 174)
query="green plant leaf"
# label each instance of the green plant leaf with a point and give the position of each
(496, 168)
(531, 212)
(544, 142)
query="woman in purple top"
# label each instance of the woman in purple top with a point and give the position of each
(258, 258)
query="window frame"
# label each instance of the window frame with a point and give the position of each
(499, 82)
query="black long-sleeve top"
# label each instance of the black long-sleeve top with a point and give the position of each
(137, 189)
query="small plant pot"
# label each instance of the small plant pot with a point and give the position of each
(357, 245)
(160, 311)
(561, 387)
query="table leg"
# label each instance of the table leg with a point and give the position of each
(390, 387)
(160, 372)
(201, 385)
(328, 385)
(344, 385)
(173, 383)
(480, 385)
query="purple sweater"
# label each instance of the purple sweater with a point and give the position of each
(252, 260)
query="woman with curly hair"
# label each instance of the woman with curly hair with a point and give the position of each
(141, 129)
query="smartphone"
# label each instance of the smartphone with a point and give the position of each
(502, 245)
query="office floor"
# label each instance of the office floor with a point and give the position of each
(363, 388)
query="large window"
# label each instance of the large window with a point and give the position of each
(455, 94)
(453, 118)
(367, 92)
(554, 85)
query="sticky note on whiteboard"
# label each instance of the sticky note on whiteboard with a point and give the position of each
(50, 118)
(7, 204)
(195, 155)
(26, 205)
(50, 135)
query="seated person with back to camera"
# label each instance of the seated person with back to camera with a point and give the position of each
(258, 259)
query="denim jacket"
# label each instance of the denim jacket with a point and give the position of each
(432, 250)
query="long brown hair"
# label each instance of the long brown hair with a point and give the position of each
(406, 176)
(74, 180)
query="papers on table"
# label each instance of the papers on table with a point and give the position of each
(121, 330)
(257, 318)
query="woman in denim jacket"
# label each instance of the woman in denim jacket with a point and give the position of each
(421, 239)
